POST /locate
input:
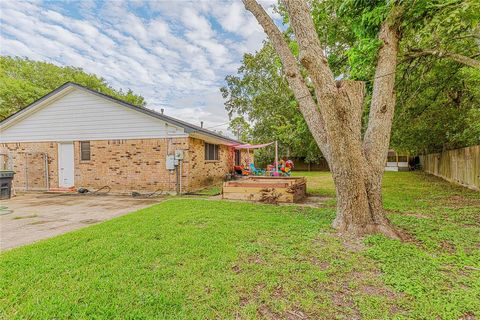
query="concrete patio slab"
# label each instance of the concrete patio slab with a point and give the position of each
(30, 217)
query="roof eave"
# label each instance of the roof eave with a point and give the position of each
(188, 128)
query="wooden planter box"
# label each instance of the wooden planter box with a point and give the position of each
(266, 189)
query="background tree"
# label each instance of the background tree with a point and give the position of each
(23, 81)
(334, 111)
(262, 106)
(438, 105)
(438, 78)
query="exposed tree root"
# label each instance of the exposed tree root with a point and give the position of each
(385, 228)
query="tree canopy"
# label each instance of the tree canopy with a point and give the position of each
(438, 79)
(23, 81)
(262, 107)
(437, 85)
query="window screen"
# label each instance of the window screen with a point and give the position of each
(84, 150)
(211, 151)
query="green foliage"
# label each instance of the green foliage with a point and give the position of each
(438, 99)
(364, 19)
(263, 109)
(443, 111)
(23, 81)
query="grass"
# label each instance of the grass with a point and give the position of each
(205, 259)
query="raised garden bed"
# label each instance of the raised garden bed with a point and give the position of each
(266, 189)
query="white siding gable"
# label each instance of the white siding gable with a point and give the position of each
(80, 115)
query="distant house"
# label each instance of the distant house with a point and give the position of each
(76, 137)
(396, 161)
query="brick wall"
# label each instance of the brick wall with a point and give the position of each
(28, 160)
(123, 165)
(201, 172)
(128, 165)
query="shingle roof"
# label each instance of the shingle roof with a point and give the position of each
(188, 127)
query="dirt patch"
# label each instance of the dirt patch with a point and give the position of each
(243, 301)
(313, 201)
(295, 315)
(256, 259)
(343, 287)
(459, 201)
(236, 269)
(468, 316)
(408, 237)
(372, 290)
(448, 247)
(367, 282)
(278, 292)
(343, 302)
(266, 313)
(323, 265)
(353, 244)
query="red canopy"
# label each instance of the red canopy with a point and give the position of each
(252, 146)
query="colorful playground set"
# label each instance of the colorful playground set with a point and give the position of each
(280, 168)
(271, 185)
(284, 168)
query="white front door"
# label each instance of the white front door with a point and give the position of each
(65, 165)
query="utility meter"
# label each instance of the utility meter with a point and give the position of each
(170, 162)
(178, 154)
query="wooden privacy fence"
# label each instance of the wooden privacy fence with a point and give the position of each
(461, 166)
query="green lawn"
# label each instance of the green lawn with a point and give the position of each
(206, 259)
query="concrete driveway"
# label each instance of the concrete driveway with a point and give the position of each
(34, 216)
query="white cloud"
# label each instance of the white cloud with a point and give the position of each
(174, 53)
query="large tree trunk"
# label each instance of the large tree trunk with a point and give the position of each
(359, 206)
(335, 118)
(358, 188)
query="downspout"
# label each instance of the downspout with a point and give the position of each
(177, 178)
(46, 172)
(26, 171)
(180, 180)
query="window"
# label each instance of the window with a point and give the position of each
(84, 150)
(392, 156)
(211, 151)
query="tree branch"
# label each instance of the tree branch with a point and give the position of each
(311, 52)
(334, 98)
(415, 53)
(377, 136)
(307, 105)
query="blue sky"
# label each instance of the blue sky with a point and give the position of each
(174, 53)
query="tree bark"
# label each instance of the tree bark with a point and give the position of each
(377, 135)
(335, 119)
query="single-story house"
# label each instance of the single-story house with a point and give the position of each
(76, 137)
